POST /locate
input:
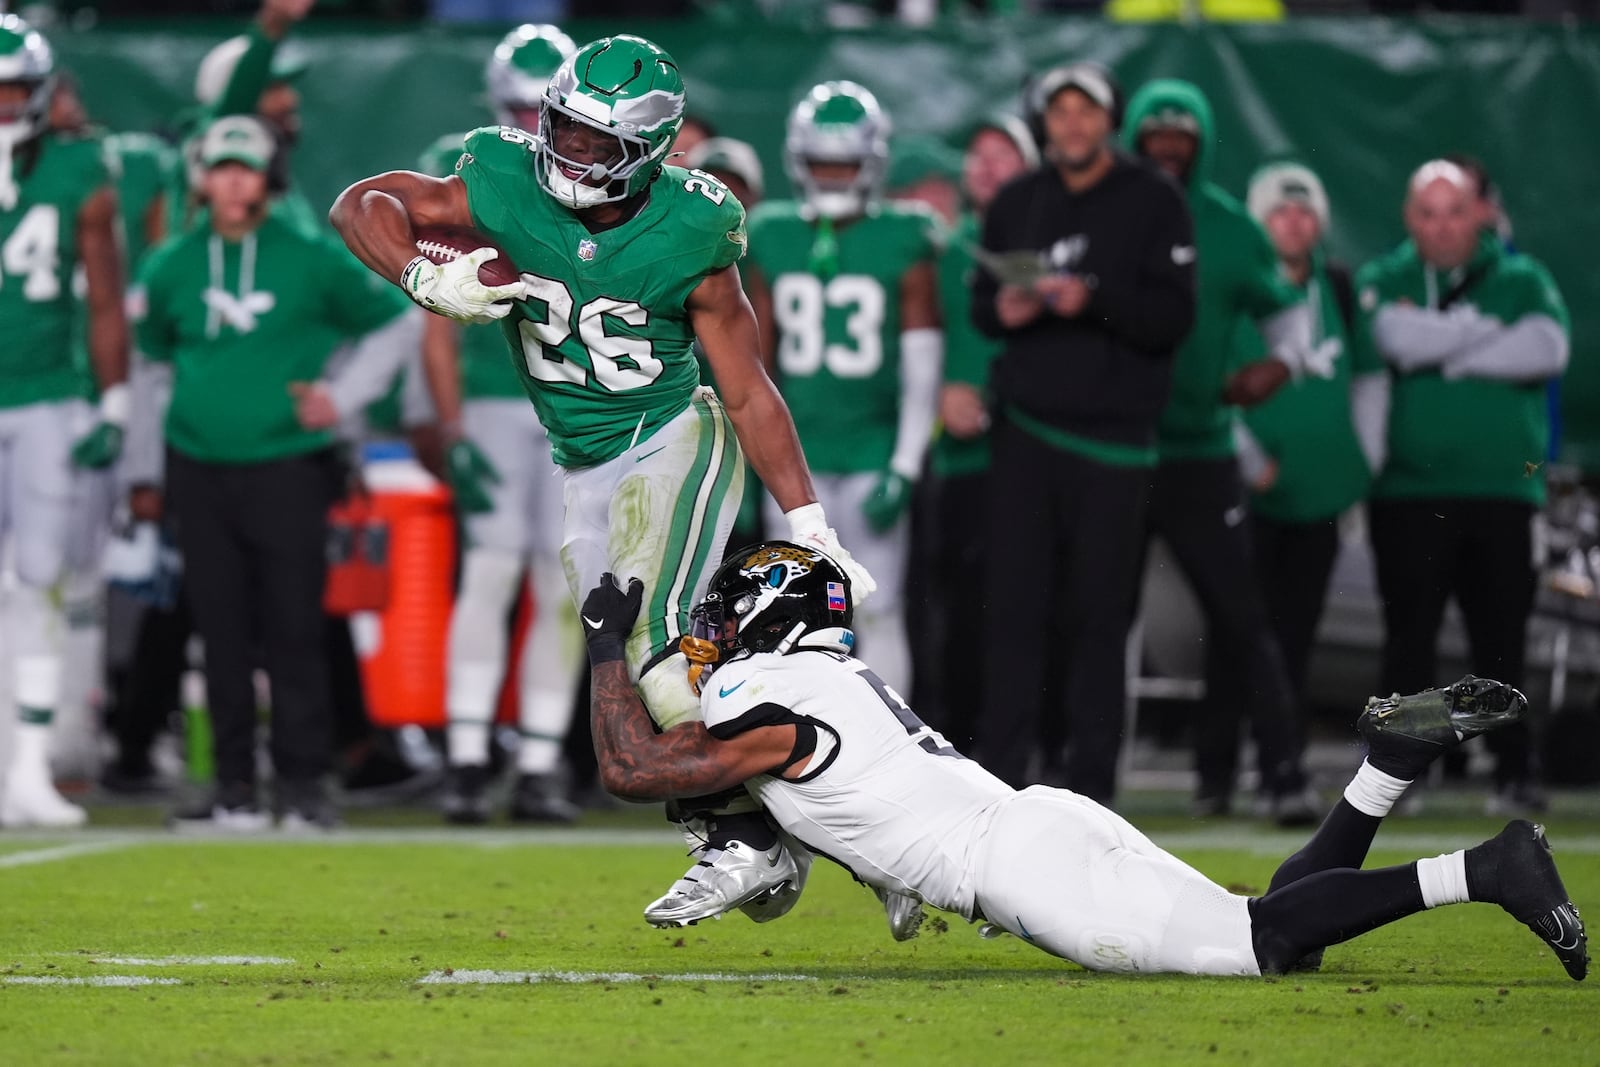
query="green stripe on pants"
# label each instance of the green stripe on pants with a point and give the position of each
(690, 507)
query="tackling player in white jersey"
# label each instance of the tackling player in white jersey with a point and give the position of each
(847, 769)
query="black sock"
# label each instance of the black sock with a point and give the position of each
(751, 827)
(1341, 841)
(1328, 907)
(1483, 871)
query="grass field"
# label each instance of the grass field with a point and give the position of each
(380, 943)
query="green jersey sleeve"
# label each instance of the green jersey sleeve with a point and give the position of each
(357, 300)
(1263, 290)
(153, 327)
(144, 167)
(250, 78)
(712, 219)
(1534, 289)
(968, 353)
(496, 162)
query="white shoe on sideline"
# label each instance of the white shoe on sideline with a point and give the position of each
(30, 799)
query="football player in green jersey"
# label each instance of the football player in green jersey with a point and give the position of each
(845, 287)
(57, 209)
(625, 262)
(498, 458)
(141, 167)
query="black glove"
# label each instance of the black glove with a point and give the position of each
(608, 617)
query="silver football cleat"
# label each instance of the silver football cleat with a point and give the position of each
(721, 880)
(904, 913)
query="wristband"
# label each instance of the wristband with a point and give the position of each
(409, 274)
(607, 649)
(114, 404)
(808, 520)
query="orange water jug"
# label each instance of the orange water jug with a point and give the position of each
(403, 647)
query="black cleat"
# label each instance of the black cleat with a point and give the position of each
(1405, 733)
(466, 795)
(305, 806)
(542, 798)
(1519, 865)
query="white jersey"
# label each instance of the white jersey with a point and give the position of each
(883, 794)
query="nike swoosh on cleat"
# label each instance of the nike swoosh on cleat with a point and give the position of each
(1565, 936)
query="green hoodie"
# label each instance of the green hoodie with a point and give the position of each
(1238, 281)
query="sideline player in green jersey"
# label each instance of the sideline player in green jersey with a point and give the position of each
(498, 458)
(624, 263)
(846, 291)
(57, 209)
(140, 166)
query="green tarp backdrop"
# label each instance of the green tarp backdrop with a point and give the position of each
(1363, 100)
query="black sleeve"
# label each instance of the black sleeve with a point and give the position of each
(1157, 312)
(771, 714)
(984, 286)
(768, 714)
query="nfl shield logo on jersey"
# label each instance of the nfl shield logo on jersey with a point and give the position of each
(587, 249)
(835, 596)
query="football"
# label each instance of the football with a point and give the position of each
(441, 244)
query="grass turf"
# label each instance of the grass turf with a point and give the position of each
(366, 916)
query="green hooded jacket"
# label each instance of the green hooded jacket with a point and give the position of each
(1238, 281)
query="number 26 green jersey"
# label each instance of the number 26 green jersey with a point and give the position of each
(603, 341)
(839, 331)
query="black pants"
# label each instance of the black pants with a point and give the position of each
(1064, 544)
(1197, 508)
(1294, 561)
(957, 558)
(149, 689)
(253, 538)
(1481, 553)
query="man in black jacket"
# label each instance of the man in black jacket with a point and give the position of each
(1089, 282)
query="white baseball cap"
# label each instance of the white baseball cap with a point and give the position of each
(237, 139)
(1277, 184)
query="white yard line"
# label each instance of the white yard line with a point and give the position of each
(64, 852)
(99, 979)
(581, 977)
(188, 961)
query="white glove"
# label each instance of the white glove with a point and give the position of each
(808, 526)
(455, 291)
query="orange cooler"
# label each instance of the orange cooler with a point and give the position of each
(402, 647)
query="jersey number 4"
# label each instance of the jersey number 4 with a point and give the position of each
(31, 253)
(618, 362)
